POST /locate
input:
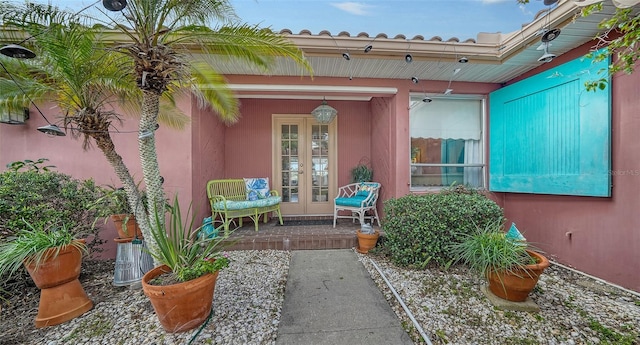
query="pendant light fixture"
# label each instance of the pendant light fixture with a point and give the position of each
(550, 35)
(114, 5)
(546, 57)
(19, 52)
(324, 113)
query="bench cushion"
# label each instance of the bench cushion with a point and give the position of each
(246, 204)
(354, 201)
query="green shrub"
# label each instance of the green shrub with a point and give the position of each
(47, 200)
(420, 228)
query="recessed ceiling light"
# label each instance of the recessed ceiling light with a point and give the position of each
(408, 58)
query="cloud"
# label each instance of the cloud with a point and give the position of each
(353, 7)
(525, 11)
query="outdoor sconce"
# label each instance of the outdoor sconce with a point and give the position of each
(324, 113)
(14, 117)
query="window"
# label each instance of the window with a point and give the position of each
(446, 142)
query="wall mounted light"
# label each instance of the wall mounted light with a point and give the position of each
(463, 59)
(415, 80)
(324, 113)
(346, 56)
(16, 117)
(368, 48)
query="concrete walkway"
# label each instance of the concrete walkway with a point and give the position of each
(331, 299)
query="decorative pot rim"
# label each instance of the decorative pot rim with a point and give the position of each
(360, 233)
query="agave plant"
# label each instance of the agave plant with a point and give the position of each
(183, 250)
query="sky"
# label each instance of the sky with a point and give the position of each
(463, 19)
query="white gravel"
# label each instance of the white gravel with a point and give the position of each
(448, 305)
(247, 304)
(451, 309)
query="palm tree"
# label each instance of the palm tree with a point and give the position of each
(159, 59)
(76, 72)
(162, 36)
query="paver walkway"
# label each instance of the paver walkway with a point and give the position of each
(331, 299)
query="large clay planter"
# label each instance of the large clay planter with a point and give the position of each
(133, 230)
(366, 242)
(515, 286)
(62, 298)
(183, 306)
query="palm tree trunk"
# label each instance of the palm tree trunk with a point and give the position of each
(150, 166)
(106, 145)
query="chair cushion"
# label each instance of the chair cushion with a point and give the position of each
(257, 188)
(241, 205)
(365, 189)
(354, 201)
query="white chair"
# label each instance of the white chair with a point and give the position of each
(358, 198)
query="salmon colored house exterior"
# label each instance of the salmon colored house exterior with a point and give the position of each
(596, 235)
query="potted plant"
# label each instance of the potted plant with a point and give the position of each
(510, 265)
(181, 289)
(113, 204)
(367, 238)
(361, 173)
(52, 257)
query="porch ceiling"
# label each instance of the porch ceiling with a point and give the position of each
(492, 58)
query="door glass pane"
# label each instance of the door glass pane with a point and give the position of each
(320, 162)
(289, 145)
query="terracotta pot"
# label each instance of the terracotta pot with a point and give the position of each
(515, 286)
(183, 306)
(62, 298)
(131, 226)
(366, 242)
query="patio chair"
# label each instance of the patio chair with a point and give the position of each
(358, 198)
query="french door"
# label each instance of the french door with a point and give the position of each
(305, 156)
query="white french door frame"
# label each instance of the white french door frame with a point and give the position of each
(307, 202)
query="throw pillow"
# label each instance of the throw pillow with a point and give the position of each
(257, 188)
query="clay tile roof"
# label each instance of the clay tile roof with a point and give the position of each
(380, 35)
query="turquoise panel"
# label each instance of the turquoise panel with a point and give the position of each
(548, 135)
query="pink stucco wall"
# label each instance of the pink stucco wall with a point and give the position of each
(18, 143)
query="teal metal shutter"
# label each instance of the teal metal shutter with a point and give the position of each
(548, 135)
